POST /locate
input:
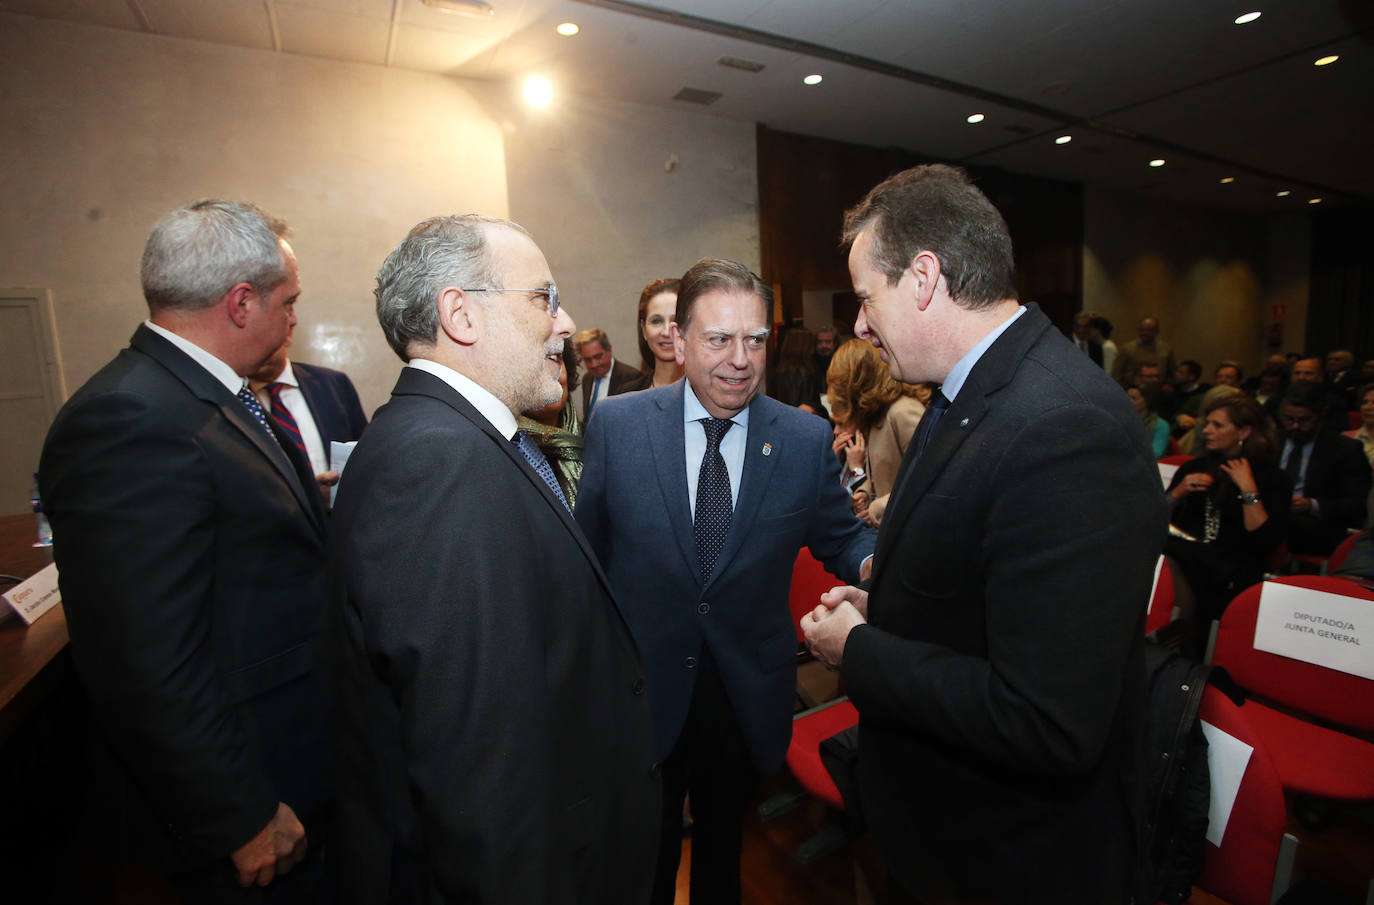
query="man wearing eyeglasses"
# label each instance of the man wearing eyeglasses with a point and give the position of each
(494, 735)
(1331, 477)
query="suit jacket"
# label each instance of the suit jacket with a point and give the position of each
(1338, 478)
(999, 681)
(633, 505)
(623, 378)
(333, 403)
(887, 442)
(494, 736)
(190, 550)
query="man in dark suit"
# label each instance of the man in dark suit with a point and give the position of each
(313, 405)
(996, 661)
(1083, 337)
(606, 376)
(1331, 476)
(697, 497)
(495, 743)
(190, 544)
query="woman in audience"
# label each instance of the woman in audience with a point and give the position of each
(1365, 432)
(794, 380)
(556, 430)
(657, 311)
(1156, 428)
(875, 417)
(1232, 502)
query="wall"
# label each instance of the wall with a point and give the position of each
(1210, 277)
(107, 130)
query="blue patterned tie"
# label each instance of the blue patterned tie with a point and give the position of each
(247, 398)
(530, 450)
(711, 521)
(938, 404)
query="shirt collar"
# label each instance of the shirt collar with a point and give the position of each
(287, 376)
(232, 380)
(493, 409)
(959, 373)
(693, 410)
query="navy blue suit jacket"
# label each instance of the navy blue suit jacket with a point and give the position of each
(333, 402)
(633, 506)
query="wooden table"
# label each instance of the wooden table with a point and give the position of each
(25, 651)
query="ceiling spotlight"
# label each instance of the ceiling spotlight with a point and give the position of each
(567, 29)
(1063, 139)
(538, 91)
(1283, 194)
(812, 79)
(1327, 61)
(1227, 180)
(1157, 162)
(1314, 201)
(976, 118)
(1247, 17)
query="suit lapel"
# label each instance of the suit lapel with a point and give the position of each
(667, 445)
(203, 384)
(313, 392)
(753, 485)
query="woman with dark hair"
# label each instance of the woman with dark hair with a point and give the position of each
(1156, 428)
(875, 417)
(657, 311)
(1230, 508)
(557, 431)
(794, 379)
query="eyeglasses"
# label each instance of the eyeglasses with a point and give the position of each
(550, 293)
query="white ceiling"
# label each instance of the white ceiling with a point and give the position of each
(1130, 80)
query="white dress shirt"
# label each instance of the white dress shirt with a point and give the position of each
(732, 445)
(491, 408)
(294, 401)
(217, 368)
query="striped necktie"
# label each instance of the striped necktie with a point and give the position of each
(285, 420)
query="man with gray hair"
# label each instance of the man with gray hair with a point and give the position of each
(494, 738)
(189, 539)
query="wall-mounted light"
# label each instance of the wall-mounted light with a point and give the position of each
(1314, 201)
(567, 29)
(1283, 194)
(1063, 139)
(1227, 180)
(538, 91)
(976, 118)
(1157, 162)
(1327, 61)
(1243, 18)
(813, 79)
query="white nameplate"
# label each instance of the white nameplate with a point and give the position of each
(1227, 757)
(1166, 473)
(1328, 630)
(36, 596)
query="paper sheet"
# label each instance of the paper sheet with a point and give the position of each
(338, 458)
(1166, 473)
(1227, 758)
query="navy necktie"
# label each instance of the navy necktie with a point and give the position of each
(285, 420)
(530, 450)
(934, 411)
(248, 399)
(711, 521)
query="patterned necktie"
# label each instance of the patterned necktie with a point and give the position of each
(285, 420)
(247, 398)
(530, 450)
(934, 411)
(711, 521)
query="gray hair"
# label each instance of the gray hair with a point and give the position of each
(437, 254)
(936, 208)
(197, 253)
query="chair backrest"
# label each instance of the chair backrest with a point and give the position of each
(1172, 449)
(1341, 553)
(1241, 870)
(1176, 460)
(1161, 611)
(1356, 421)
(809, 581)
(1329, 694)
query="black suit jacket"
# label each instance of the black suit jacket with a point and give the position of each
(333, 403)
(999, 681)
(494, 736)
(1338, 478)
(624, 379)
(190, 551)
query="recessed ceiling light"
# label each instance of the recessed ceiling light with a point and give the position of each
(568, 29)
(1063, 139)
(1247, 17)
(976, 118)
(1326, 61)
(1314, 201)
(1157, 162)
(538, 91)
(1283, 194)
(1227, 180)
(813, 79)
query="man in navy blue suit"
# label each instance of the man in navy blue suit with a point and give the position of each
(697, 497)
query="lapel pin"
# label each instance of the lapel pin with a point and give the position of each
(768, 449)
(964, 423)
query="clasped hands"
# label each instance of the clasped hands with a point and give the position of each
(827, 627)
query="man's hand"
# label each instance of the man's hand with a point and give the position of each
(1301, 504)
(277, 848)
(827, 630)
(326, 480)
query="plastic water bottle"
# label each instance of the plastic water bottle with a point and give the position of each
(44, 531)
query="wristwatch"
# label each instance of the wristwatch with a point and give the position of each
(1249, 499)
(859, 473)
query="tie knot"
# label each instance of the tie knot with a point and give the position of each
(715, 429)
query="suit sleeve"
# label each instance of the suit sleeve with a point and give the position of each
(131, 498)
(1068, 544)
(1343, 500)
(591, 513)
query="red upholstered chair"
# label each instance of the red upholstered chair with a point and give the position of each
(1340, 554)
(1171, 449)
(1310, 757)
(1175, 460)
(809, 581)
(1356, 422)
(809, 729)
(1254, 863)
(1161, 611)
